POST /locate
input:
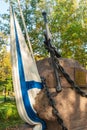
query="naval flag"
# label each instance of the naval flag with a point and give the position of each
(26, 80)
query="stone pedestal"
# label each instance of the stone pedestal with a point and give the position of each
(72, 67)
(71, 106)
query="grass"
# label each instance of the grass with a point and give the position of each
(9, 115)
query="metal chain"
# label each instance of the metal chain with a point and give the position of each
(56, 57)
(58, 68)
(52, 103)
(70, 81)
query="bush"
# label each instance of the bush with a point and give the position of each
(9, 116)
(8, 111)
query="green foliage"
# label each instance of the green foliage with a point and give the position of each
(67, 22)
(8, 111)
(1, 98)
(8, 115)
(8, 98)
(69, 32)
(5, 70)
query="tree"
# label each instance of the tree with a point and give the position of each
(67, 21)
(68, 30)
(5, 66)
(5, 72)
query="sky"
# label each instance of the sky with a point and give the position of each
(3, 7)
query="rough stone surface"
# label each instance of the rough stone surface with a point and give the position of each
(71, 106)
(45, 69)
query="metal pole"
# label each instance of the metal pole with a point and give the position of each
(52, 53)
(27, 36)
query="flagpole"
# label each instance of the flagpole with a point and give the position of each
(27, 36)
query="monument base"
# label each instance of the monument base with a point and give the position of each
(71, 106)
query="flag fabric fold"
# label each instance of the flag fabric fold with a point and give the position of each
(26, 80)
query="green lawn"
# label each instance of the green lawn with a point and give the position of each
(8, 114)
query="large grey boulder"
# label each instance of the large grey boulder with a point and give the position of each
(71, 106)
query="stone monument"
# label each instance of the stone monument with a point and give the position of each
(71, 106)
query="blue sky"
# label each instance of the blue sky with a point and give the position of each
(3, 7)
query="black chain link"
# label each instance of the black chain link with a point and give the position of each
(52, 103)
(70, 81)
(55, 57)
(58, 68)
